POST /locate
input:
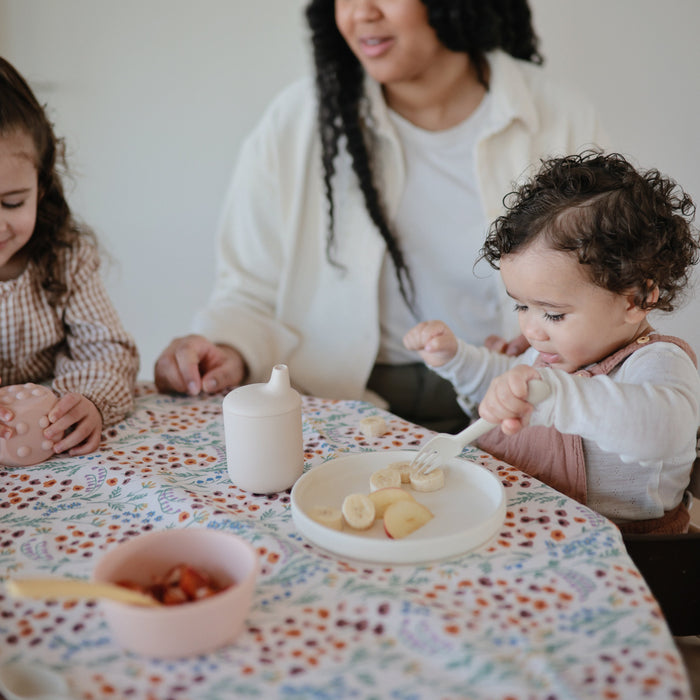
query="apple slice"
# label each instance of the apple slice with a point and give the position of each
(382, 498)
(401, 518)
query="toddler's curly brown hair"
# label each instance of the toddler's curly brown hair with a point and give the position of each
(632, 229)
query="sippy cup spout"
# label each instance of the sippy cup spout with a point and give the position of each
(279, 380)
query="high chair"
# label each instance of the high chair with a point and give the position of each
(670, 564)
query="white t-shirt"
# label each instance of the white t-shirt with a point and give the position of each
(441, 226)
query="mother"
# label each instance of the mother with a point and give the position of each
(360, 200)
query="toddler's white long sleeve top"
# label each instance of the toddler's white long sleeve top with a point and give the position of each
(638, 424)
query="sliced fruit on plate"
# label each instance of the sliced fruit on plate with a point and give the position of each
(403, 467)
(327, 516)
(432, 481)
(383, 498)
(358, 511)
(404, 517)
(384, 478)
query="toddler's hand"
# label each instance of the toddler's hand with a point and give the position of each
(77, 414)
(512, 348)
(434, 341)
(506, 399)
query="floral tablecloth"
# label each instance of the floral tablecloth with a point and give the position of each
(552, 607)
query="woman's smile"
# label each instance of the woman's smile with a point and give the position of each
(373, 47)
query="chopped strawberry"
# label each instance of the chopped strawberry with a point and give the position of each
(194, 583)
(174, 596)
(180, 584)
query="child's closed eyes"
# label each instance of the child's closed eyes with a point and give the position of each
(549, 317)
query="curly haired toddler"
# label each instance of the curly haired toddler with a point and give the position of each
(586, 250)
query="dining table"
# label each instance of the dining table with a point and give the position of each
(550, 606)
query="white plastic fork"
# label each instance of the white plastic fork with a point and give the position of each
(444, 446)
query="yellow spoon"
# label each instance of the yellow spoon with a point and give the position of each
(76, 588)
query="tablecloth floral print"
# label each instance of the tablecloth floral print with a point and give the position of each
(550, 608)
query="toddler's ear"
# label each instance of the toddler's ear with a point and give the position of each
(634, 312)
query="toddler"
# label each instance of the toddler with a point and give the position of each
(56, 321)
(586, 250)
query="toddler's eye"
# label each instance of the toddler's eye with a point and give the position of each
(554, 317)
(12, 205)
(520, 307)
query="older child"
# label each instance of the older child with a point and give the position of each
(586, 250)
(56, 320)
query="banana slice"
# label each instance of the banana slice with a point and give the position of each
(404, 469)
(432, 481)
(327, 516)
(373, 426)
(383, 478)
(358, 511)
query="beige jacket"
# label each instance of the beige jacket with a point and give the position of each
(277, 299)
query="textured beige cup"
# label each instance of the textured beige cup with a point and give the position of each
(30, 404)
(187, 629)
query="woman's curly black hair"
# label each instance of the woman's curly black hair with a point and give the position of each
(471, 26)
(633, 230)
(55, 227)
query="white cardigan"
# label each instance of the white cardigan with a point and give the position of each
(277, 299)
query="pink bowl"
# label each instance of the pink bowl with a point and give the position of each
(186, 629)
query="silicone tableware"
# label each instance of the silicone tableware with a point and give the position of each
(187, 629)
(264, 436)
(76, 588)
(468, 510)
(32, 682)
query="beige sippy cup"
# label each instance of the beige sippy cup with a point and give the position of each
(30, 404)
(264, 439)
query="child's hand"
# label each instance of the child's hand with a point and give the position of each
(506, 399)
(75, 413)
(435, 342)
(512, 348)
(6, 416)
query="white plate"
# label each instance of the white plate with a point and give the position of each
(468, 510)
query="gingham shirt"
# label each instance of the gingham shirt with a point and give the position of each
(81, 343)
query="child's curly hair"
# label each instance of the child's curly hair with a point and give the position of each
(55, 228)
(633, 230)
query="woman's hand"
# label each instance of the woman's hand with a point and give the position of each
(434, 341)
(513, 348)
(506, 399)
(193, 364)
(76, 425)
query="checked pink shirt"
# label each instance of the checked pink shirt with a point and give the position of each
(79, 345)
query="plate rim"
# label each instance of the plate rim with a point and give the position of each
(405, 551)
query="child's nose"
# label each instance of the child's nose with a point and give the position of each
(533, 328)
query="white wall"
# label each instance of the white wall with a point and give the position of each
(639, 62)
(154, 97)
